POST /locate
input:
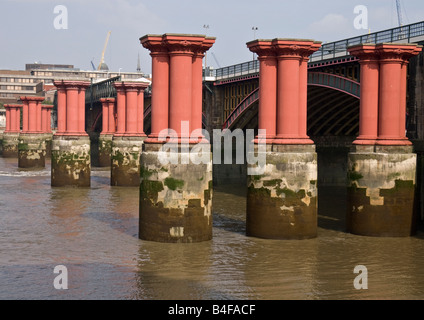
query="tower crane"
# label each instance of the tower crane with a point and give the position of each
(399, 13)
(103, 52)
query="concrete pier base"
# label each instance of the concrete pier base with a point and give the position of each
(282, 201)
(31, 150)
(175, 199)
(10, 145)
(71, 161)
(125, 169)
(381, 188)
(105, 150)
(48, 137)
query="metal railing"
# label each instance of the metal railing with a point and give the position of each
(409, 33)
(240, 69)
(102, 89)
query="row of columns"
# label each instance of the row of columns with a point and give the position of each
(283, 88)
(30, 144)
(36, 117)
(177, 69)
(383, 92)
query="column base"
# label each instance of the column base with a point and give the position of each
(31, 151)
(175, 198)
(282, 201)
(381, 191)
(125, 161)
(105, 150)
(10, 144)
(71, 161)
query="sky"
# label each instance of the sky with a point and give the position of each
(29, 28)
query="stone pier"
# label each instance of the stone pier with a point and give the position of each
(71, 161)
(128, 139)
(108, 130)
(282, 195)
(381, 164)
(176, 195)
(32, 140)
(46, 125)
(11, 133)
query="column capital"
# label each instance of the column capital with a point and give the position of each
(124, 86)
(11, 106)
(397, 53)
(262, 47)
(31, 99)
(294, 48)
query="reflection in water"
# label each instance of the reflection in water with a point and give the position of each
(94, 233)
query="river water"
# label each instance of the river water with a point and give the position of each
(93, 233)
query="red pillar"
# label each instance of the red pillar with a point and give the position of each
(32, 114)
(13, 117)
(140, 110)
(46, 118)
(111, 117)
(131, 110)
(267, 114)
(105, 115)
(8, 118)
(61, 107)
(81, 109)
(393, 93)
(120, 106)
(160, 84)
(370, 73)
(288, 92)
(180, 89)
(72, 109)
(303, 91)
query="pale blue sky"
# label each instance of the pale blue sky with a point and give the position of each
(27, 33)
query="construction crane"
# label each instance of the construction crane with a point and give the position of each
(103, 52)
(399, 13)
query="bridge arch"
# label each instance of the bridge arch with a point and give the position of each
(333, 106)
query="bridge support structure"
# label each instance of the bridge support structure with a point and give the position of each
(128, 139)
(175, 189)
(71, 159)
(382, 164)
(108, 130)
(11, 133)
(282, 197)
(32, 139)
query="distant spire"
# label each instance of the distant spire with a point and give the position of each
(138, 63)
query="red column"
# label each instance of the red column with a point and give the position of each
(81, 109)
(391, 110)
(303, 91)
(72, 126)
(32, 114)
(267, 114)
(370, 73)
(140, 111)
(46, 118)
(8, 118)
(197, 91)
(13, 118)
(288, 92)
(131, 110)
(120, 106)
(111, 117)
(105, 115)
(25, 116)
(180, 86)
(61, 107)
(160, 84)
(39, 121)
